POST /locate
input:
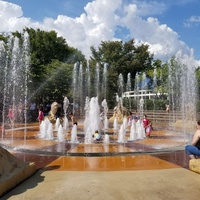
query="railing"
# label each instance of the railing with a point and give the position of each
(158, 115)
(141, 94)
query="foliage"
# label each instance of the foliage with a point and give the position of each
(123, 58)
(48, 55)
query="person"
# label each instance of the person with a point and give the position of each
(130, 119)
(167, 108)
(97, 136)
(40, 115)
(73, 119)
(193, 150)
(147, 126)
(11, 115)
(32, 110)
(136, 116)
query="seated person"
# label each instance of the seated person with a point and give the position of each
(97, 136)
(193, 150)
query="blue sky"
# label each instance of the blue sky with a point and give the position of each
(166, 25)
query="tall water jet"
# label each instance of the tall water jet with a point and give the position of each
(15, 64)
(128, 89)
(155, 85)
(4, 67)
(105, 111)
(183, 88)
(120, 85)
(75, 85)
(65, 107)
(92, 118)
(80, 90)
(88, 81)
(26, 63)
(136, 89)
(97, 79)
(104, 83)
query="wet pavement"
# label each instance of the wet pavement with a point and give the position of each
(163, 145)
(162, 153)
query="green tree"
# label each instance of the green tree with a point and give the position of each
(124, 58)
(46, 51)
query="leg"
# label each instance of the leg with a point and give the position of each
(192, 151)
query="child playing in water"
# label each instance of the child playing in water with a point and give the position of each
(130, 119)
(11, 115)
(40, 115)
(147, 126)
(97, 136)
(73, 119)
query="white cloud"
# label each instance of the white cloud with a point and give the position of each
(145, 8)
(193, 20)
(99, 23)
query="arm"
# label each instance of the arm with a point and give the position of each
(196, 137)
(148, 124)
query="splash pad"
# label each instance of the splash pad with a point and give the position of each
(161, 140)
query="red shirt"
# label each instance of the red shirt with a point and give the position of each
(145, 122)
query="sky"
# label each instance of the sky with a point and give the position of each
(167, 26)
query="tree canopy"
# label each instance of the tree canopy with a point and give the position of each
(122, 58)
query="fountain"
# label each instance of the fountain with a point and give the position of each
(81, 135)
(65, 107)
(114, 129)
(92, 118)
(74, 134)
(60, 134)
(14, 69)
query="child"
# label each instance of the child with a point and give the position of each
(130, 119)
(73, 119)
(40, 115)
(97, 136)
(11, 115)
(167, 108)
(147, 126)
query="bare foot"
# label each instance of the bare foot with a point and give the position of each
(192, 157)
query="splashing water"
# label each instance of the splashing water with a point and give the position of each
(74, 135)
(60, 134)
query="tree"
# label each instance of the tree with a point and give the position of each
(48, 54)
(122, 58)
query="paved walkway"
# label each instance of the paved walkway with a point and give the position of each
(145, 170)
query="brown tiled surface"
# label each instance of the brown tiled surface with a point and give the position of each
(163, 150)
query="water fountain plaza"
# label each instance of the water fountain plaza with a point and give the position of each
(64, 139)
(63, 146)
